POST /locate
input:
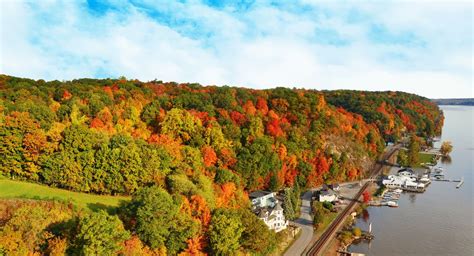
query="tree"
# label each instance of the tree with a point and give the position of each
(101, 234)
(356, 232)
(366, 197)
(288, 207)
(225, 232)
(27, 228)
(402, 158)
(256, 238)
(319, 212)
(413, 150)
(446, 148)
(180, 124)
(154, 210)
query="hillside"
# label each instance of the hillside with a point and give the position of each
(463, 102)
(200, 149)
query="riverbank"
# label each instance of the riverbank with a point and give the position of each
(438, 221)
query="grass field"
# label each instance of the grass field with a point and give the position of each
(26, 190)
(426, 158)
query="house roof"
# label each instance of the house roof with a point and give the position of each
(327, 193)
(278, 207)
(259, 193)
(405, 170)
(262, 213)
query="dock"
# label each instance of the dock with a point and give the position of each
(346, 253)
(448, 180)
(460, 183)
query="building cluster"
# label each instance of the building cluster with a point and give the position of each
(404, 179)
(268, 208)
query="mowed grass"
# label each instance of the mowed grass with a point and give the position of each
(426, 158)
(26, 190)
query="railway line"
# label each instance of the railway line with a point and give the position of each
(319, 245)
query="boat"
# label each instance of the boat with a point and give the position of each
(398, 191)
(425, 179)
(438, 170)
(392, 204)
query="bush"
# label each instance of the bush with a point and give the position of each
(356, 232)
(328, 205)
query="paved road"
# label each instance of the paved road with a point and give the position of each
(306, 224)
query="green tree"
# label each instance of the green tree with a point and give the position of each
(257, 160)
(101, 234)
(288, 206)
(180, 124)
(402, 158)
(225, 232)
(256, 238)
(183, 227)
(413, 150)
(155, 211)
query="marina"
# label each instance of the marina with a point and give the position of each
(430, 223)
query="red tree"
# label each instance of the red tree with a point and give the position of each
(209, 156)
(366, 197)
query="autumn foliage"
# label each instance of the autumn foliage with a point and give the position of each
(207, 147)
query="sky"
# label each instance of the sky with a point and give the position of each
(422, 47)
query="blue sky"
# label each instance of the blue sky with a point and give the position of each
(423, 47)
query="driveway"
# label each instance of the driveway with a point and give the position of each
(306, 224)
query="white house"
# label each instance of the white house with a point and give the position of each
(269, 209)
(273, 217)
(263, 199)
(327, 196)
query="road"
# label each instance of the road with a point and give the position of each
(306, 224)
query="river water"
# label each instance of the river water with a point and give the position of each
(440, 220)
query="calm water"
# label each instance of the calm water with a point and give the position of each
(439, 221)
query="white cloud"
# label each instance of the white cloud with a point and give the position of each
(263, 47)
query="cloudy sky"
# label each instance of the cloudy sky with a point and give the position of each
(424, 47)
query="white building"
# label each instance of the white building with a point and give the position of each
(327, 196)
(263, 199)
(402, 181)
(268, 209)
(407, 173)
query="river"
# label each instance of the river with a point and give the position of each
(440, 220)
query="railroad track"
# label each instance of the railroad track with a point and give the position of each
(317, 247)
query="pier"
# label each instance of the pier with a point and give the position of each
(460, 183)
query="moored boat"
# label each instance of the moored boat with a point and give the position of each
(392, 204)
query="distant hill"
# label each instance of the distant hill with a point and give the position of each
(464, 102)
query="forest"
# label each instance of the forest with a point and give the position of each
(187, 154)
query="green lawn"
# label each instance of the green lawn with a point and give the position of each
(326, 222)
(26, 190)
(426, 158)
